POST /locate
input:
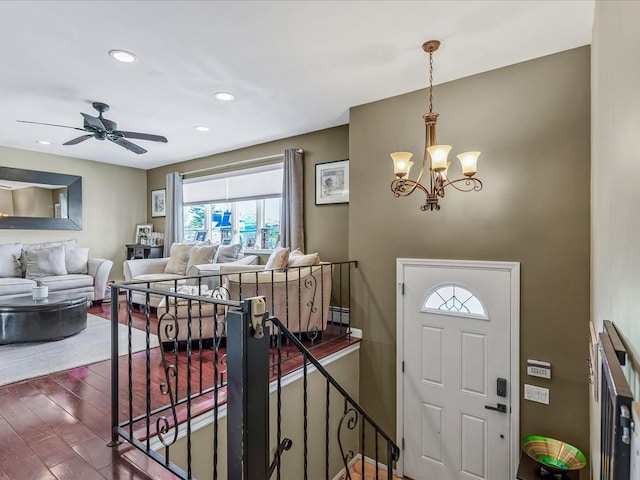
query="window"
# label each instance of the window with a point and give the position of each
(237, 207)
(456, 300)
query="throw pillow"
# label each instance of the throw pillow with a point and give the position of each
(178, 258)
(201, 255)
(229, 253)
(77, 260)
(10, 260)
(298, 259)
(39, 246)
(46, 262)
(278, 259)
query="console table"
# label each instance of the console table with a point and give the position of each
(23, 319)
(144, 251)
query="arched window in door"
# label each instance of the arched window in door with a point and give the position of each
(455, 300)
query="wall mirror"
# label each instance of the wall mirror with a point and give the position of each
(33, 200)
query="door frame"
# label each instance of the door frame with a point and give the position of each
(514, 385)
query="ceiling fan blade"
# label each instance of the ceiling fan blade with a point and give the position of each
(75, 141)
(93, 121)
(127, 144)
(51, 125)
(143, 136)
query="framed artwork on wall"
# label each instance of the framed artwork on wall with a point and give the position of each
(332, 182)
(158, 202)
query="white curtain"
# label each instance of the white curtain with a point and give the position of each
(173, 226)
(292, 225)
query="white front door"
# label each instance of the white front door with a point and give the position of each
(458, 343)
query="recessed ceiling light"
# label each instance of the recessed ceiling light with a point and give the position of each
(202, 128)
(224, 96)
(123, 56)
(43, 142)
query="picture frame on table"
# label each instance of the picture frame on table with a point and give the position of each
(143, 231)
(201, 236)
(332, 182)
(158, 199)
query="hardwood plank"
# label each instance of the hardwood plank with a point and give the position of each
(75, 469)
(96, 452)
(28, 468)
(53, 450)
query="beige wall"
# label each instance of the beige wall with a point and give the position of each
(326, 225)
(615, 170)
(6, 202)
(531, 121)
(113, 202)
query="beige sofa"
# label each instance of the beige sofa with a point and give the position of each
(298, 296)
(173, 315)
(152, 272)
(62, 266)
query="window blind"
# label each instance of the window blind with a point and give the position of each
(247, 184)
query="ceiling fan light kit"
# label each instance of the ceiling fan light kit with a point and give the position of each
(434, 157)
(102, 128)
(123, 56)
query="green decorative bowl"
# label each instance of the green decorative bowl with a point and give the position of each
(553, 455)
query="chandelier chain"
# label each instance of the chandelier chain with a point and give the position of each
(430, 82)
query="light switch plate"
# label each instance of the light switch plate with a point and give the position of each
(536, 394)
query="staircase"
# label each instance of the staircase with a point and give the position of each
(370, 473)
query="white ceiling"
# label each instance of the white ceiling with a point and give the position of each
(294, 66)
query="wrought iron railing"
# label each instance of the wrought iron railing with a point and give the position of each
(382, 450)
(215, 353)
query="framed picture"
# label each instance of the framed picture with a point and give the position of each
(332, 182)
(201, 235)
(143, 231)
(157, 202)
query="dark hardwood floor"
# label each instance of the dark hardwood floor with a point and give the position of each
(58, 426)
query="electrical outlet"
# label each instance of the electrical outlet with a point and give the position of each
(536, 394)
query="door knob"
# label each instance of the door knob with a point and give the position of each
(501, 407)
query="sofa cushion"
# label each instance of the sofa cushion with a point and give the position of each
(298, 259)
(278, 259)
(197, 308)
(46, 262)
(76, 260)
(161, 281)
(229, 253)
(10, 260)
(178, 258)
(39, 246)
(16, 286)
(201, 255)
(66, 282)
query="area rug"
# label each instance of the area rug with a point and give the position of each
(19, 361)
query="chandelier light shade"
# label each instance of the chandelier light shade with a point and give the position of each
(435, 162)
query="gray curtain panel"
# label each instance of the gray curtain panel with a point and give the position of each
(292, 226)
(173, 226)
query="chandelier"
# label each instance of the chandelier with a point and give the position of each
(438, 165)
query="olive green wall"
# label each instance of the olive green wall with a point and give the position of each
(326, 225)
(113, 202)
(615, 170)
(531, 122)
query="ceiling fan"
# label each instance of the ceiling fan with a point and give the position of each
(104, 129)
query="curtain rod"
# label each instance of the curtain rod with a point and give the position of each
(241, 162)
